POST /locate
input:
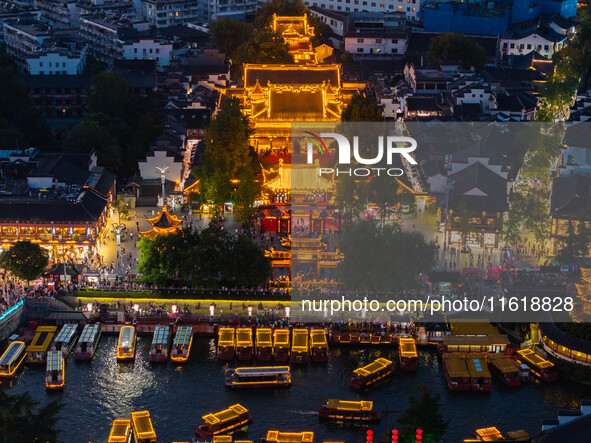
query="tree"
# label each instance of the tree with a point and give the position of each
(383, 259)
(382, 192)
(363, 108)
(280, 7)
(423, 413)
(265, 46)
(455, 46)
(577, 239)
(465, 226)
(109, 95)
(122, 207)
(227, 35)
(25, 260)
(246, 192)
(93, 66)
(558, 94)
(21, 419)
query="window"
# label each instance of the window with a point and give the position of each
(528, 46)
(394, 41)
(505, 45)
(359, 40)
(382, 5)
(546, 47)
(512, 45)
(378, 40)
(394, 50)
(157, 50)
(373, 4)
(414, 9)
(364, 3)
(359, 49)
(400, 8)
(40, 64)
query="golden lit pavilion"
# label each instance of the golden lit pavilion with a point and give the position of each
(298, 35)
(163, 223)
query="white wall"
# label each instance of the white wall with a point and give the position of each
(525, 45)
(149, 49)
(148, 169)
(53, 63)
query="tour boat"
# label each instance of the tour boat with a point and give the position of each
(480, 377)
(126, 345)
(88, 342)
(226, 421)
(407, 354)
(299, 346)
(54, 375)
(291, 437)
(504, 369)
(281, 345)
(12, 358)
(456, 372)
(181, 347)
(120, 432)
(352, 411)
(264, 344)
(259, 377)
(541, 368)
(318, 345)
(244, 344)
(37, 349)
(142, 427)
(160, 344)
(65, 340)
(226, 344)
(371, 374)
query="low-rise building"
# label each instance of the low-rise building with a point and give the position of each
(149, 49)
(163, 13)
(377, 45)
(59, 13)
(410, 8)
(24, 38)
(59, 96)
(234, 9)
(58, 58)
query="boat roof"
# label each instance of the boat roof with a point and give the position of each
(12, 352)
(264, 337)
(142, 424)
(473, 327)
(318, 337)
(55, 361)
(225, 415)
(226, 336)
(500, 339)
(161, 335)
(281, 337)
(407, 347)
(300, 339)
(489, 434)
(244, 337)
(456, 365)
(289, 437)
(66, 333)
(88, 333)
(222, 439)
(345, 405)
(42, 338)
(502, 363)
(263, 370)
(119, 431)
(535, 359)
(373, 367)
(477, 365)
(183, 335)
(125, 335)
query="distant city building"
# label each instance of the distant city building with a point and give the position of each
(59, 13)
(23, 39)
(58, 59)
(59, 96)
(375, 45)
(338, 22)
(163, 13)
(149, 49)
(10, 11)
(237, 10)
(114, 7)
(410, 8)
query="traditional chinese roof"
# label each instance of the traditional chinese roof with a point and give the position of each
(163, 223)
(297, 178)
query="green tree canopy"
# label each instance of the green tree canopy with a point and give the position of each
(383, 259)
(227, 35)
(362, 108)
(109, 95)
(423, 412)
(280, 7)
(455, 46)
(265, 46)
(25, 260)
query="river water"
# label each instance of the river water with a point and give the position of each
(100, 391)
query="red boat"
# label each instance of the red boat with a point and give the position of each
(456, 372)
(371, 374)
(244, 344)
(281, 345)
(407, 353)
(505, 369)
(541, 368)
(226, 344)
(351, 411)
(318, 345)
(264, 344)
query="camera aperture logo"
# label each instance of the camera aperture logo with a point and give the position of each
(387, 148)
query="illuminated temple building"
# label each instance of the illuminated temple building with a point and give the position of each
(162, 223)
(298, 35)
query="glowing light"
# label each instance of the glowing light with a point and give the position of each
(136, 307)
(211, 310)
(89, 307)
(287, 311)
(173, 308)
(250, 310)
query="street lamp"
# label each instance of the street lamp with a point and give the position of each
(64, 252)
(162, 169)
(118, 228)
(449, 185)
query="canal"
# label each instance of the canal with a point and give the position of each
(100, 391)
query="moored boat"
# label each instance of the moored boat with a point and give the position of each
(288, 437)
(142, 427)
(504, 369)
(480, 377)
(259, 377)
(318, 345)
(54, 374)
(37, 349)
(181, 347)
(226, 344)
(12, 359)
(351, 411)
(407, 354)
(120, 432)
(160, 344)
(539, 367)
(281, 345)
(371, 374)
(456, 372)
(229, 420)
(88, 342)
(299, 346)
(264, 344)
(126, 345)
(244, 344)
(65, 340)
